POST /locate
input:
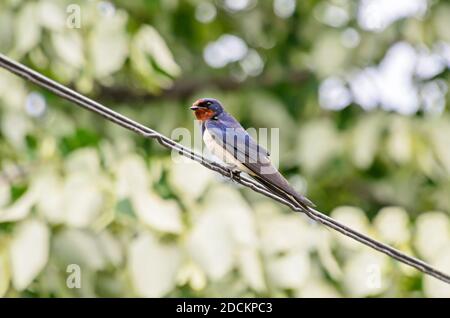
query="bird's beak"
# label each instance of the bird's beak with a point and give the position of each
(198, 104)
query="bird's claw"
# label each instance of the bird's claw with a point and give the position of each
(234, 174)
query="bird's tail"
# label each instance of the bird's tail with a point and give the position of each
(291, 195)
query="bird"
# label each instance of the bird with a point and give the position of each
(229, 142)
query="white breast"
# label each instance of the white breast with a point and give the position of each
(221, 154)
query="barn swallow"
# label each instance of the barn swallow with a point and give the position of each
(228, 141)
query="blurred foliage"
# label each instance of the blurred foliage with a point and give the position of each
(359, 95)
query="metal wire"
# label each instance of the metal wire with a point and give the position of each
(80, 100)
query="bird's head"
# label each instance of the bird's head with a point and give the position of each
(206, 108)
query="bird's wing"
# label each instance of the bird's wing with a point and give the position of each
(235, 140)
(229, 134)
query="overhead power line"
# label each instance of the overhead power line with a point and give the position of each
(69, 94)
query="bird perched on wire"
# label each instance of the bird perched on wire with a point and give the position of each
(227, 140)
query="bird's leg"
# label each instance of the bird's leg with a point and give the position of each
(234, 172)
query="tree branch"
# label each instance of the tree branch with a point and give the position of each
(146, 132)
(187, 87)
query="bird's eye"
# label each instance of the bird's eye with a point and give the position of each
(208, 103)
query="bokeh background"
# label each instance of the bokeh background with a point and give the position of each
(359, 90)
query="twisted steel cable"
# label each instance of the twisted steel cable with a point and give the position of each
(89, 104)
